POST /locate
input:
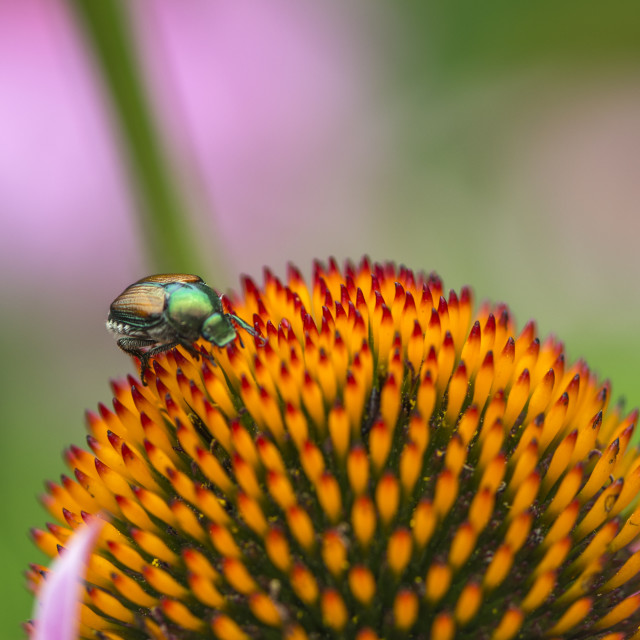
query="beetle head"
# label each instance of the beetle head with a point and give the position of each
(217, 329)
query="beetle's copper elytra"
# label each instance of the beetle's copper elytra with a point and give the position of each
(163, 311)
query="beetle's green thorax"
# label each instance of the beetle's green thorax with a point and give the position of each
(187, 307)
(218, 329)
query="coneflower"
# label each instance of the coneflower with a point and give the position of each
(390, 463)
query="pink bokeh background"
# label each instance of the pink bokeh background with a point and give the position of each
(260, 108)
(62, 189)
(263, 105)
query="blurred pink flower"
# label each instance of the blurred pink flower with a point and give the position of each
(63, 195)
(56, 615)
(266, 103)
(261, 104)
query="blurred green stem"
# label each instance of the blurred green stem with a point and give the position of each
(163, 216)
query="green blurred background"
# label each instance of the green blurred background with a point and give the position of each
(496, 143)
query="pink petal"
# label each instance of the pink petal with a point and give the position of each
(56, 613)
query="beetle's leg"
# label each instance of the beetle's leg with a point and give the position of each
(202, 352)
(190, 349)
(133, 346)
(144, 365)
(247, 327)
(161, 348)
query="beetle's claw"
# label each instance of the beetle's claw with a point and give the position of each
(208, 356)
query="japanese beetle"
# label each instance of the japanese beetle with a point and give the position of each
(163, 311)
